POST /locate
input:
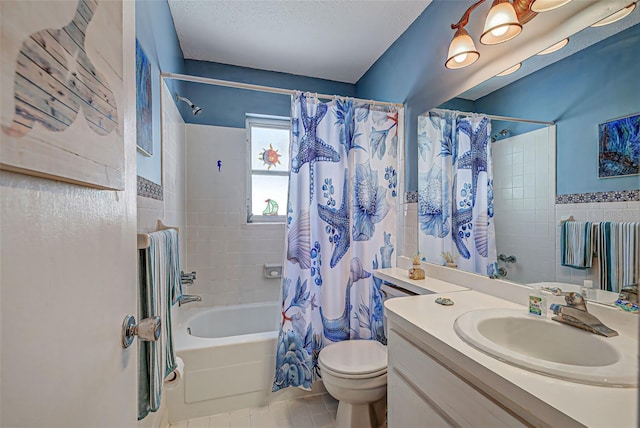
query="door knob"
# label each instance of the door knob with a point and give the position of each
(147, 330)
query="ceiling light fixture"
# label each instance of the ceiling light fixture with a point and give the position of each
(622, 13)
(510, 70)
(501, 24)
(462, 51)
(554, 48)
(547, 5)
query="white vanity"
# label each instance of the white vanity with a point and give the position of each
(436, 379)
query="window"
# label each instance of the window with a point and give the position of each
(269, 169)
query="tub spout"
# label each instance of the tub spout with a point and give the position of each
(188, 298)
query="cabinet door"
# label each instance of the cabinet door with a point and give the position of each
(457, 400)
(408, 409)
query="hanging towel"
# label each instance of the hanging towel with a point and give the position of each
(619, 252)
(160, 288)
(576, 244)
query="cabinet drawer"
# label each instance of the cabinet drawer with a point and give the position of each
(460, 401)
(407, 409)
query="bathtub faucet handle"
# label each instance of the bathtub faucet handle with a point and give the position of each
(187, 278)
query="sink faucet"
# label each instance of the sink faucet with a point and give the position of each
(188, 298)
(575, 314)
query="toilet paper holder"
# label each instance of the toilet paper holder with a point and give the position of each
(148, 330)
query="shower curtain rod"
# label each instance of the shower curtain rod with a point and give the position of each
(511, 119)
(261, 88)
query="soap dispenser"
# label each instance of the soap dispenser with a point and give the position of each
(537, 302)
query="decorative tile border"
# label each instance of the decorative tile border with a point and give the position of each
(149, 189)
(612, 196)
(411, 198)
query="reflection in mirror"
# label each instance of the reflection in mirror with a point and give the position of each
(542, 174)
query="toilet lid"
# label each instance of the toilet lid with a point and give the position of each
(355, 357)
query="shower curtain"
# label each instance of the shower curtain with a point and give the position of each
(341, 226)
(455, 191)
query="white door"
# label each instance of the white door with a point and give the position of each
(68, 265)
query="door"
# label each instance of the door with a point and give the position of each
(68, 260)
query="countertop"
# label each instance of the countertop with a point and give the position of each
(590, 405)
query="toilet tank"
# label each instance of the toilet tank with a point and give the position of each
(390, 291)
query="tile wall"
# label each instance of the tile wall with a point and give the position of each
(227, 253)
(171, 209)
(594, 212)
(524, 191)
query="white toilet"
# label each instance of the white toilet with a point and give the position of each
(355, 373)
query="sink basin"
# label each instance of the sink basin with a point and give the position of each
(550, 348)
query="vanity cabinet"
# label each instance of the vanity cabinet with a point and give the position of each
(424, 393)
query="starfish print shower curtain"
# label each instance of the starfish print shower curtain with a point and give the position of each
(455, 191)
(341, 225)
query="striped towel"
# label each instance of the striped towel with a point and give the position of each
(619, 252)
(576, 244)
(160, 288)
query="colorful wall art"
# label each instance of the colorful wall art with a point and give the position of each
(63, 68)
(619, 147)
(144, 117)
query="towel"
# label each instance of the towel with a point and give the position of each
(160, 288)
(576, 244)
(619, 252)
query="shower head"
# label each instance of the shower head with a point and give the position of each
(194, 108)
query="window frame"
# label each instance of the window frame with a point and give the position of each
(273, 122)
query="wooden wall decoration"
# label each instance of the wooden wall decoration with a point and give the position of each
(62, 62)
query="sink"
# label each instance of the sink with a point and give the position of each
(550, 348)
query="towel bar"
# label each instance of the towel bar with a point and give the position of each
(143, 238)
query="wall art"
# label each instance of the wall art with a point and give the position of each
(62, 72)
(144, 116)
(619, 147)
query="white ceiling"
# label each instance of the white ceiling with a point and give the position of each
(328, 39)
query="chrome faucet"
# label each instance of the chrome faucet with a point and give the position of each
(575, 314)
(188, 298)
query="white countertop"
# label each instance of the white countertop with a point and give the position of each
(593, 406)
(400, 277)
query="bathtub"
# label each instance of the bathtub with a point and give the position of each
(229, 360)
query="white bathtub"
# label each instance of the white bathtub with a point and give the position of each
(229, 360)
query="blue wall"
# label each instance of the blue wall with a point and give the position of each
(412, 71)
(224, 106)
(157, 37)
(579, 92)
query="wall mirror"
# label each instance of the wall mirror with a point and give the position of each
(537, 166)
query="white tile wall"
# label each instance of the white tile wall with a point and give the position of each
(171, 210)
(524, 204)
(227, 253)
(595, 212)
(408, 226)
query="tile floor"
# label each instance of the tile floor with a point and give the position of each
(317, 411)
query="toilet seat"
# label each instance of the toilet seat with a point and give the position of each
(354, 359)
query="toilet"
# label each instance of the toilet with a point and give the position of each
(355, 373)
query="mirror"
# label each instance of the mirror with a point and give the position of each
(538, 169)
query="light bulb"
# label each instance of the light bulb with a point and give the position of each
(500, 31)
(460, 58)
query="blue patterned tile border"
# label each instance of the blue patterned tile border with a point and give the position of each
(612, 196)
(149, 189)
(411, 198)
